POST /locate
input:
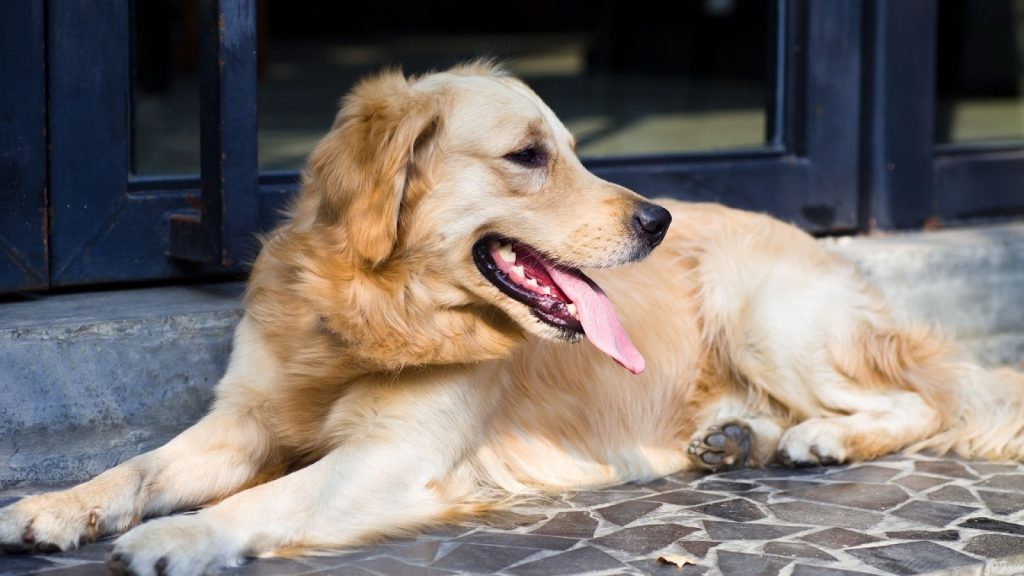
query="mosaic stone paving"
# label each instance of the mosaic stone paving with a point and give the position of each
(900, 515)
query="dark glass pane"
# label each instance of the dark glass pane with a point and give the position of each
(980, 74)
(165, 87)
(629, 78)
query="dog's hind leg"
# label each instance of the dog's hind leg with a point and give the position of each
(212, 459)
(877, 423)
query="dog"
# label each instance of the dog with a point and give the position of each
(420, 344)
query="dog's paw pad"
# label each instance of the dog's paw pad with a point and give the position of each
(723, 446)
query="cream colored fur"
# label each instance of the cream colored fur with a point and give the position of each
(379, 383)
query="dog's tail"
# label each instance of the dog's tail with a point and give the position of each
(982, 409)
(985, 416)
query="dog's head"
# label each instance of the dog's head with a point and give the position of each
(468, 183)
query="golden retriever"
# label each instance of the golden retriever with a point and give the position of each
(411, 347)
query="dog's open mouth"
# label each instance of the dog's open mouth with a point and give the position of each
(557, 295)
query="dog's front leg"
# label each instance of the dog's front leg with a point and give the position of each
(397, 446)
(214, 458)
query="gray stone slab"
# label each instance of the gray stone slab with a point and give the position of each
(866, 496)
(644, 539)
(1014, 482)
(741, 564)
(725, 486)
(416, 552)
(787, 484)
(590, 498)
(685, 497)
(737, 509)
(699, 548)
(481, 558)
(658, 568)
(578, 561)
(10, 565)
(686, 476)
(933, 513)
(773, 472)
(521, 540)
(797, 550)
(93, 552)
(934, 535)
(995, 545)
(759, 497)
(919, 482)
(721, 530)
(824, 514)
(805, 570)
(268, 567)
(986, 468)
(509, 520)
(625, 513)
(342, 571)
(392, 567)
(863, 473)
(944, 468)
(1002, 502)
(992, 525)
(911, 557)
(94, 569)
(569, 524)
(953, 494)
(839, 538)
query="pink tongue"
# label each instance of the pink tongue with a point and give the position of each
(600, 323)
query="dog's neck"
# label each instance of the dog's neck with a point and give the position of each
(361, 320)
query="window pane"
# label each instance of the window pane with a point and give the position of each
(165, 121)
(628, 78)
(980, 74)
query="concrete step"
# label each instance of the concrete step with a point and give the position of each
(968, 281)
(88, 380)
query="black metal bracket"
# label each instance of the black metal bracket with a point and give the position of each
(219, 229)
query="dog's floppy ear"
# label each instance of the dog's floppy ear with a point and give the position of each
(360, 169)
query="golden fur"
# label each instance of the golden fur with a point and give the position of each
(379, 382)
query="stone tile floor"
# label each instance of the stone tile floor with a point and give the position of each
(900, 515)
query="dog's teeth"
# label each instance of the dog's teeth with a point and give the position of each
(532, 283)
(571, 308)
(545, 290)
(519, 270)
(506, 253)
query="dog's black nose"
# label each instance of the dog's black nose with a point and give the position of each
(650, 222)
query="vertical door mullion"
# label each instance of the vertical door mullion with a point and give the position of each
(900, 113)
(220, 231)
(24, 262)
(88, 67)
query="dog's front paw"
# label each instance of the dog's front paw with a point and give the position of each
(47, 523)
(176, 545)
(812, 443)
(724, 446)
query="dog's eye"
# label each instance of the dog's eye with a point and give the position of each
(529, 156)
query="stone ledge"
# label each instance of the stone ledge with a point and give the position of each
(89, 380)
(968, 281)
